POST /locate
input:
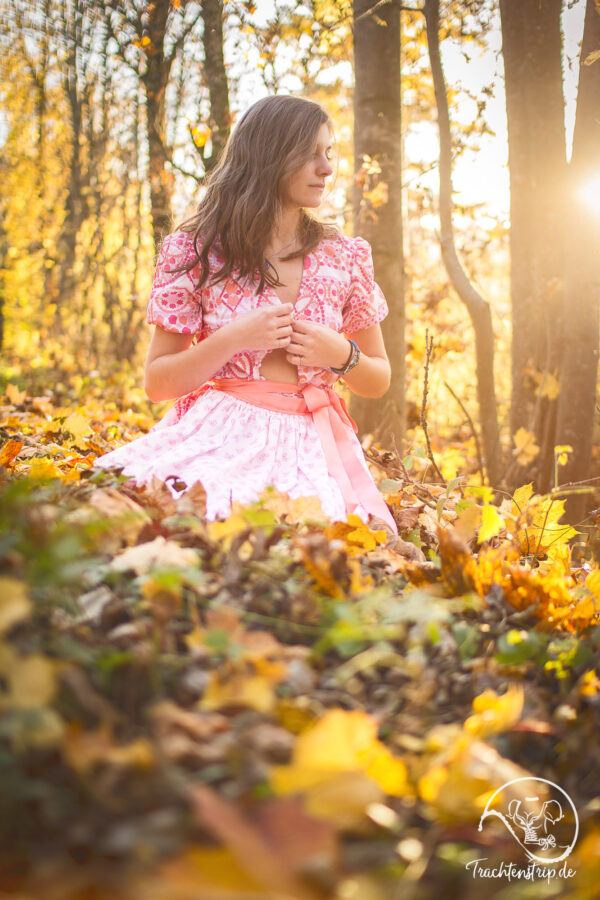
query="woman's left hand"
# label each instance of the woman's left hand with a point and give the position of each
(316, 345)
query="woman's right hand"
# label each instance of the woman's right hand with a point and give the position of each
(265, 328)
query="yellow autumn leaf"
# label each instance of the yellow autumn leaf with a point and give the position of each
(592, 583)
(493, 713)
(521, 497)
(561, 454)
(592, 57)
(558, 559)
(14, 603)
(240, 688)
(543, 529)
(227, 530)
(356, 534)
(15, 396)
(77, 425)
(200, 134)
(451, 461)
(491, 523)
(30, 679)
(526, 448)
(341, 741)
(379, 195)
(42, 468)
(589, 684)
(548, 385)
(84, 750)
(461, 780)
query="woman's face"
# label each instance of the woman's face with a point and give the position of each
(305, 187)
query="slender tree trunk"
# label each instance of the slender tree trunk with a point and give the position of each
(531, 38)
(216, 78)
(579, 371)
(477, 307)
(75, 204)
(377, 134)
(155, 79)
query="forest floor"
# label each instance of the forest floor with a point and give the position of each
(275, 706)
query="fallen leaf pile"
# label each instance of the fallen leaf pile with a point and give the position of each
(276, 705)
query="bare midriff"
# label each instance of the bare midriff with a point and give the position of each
(275, 367)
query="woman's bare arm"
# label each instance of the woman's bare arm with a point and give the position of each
(372, 376)
(174, 367)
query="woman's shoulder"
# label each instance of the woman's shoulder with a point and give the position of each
(345, 248)
(177, 243)
(183, 248)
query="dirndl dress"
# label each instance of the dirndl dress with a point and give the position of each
(224, 437)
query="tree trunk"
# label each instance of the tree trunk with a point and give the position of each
(579, 371)
(377, 134)
(71, 24)
(531, 39)
(216, 79)
(478, 308)
(155, 79)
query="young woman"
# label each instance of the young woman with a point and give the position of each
(258, 309)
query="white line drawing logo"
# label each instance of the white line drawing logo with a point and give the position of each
(533, 822)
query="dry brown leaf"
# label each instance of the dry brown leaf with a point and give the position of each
(153, 554)
(129, 517)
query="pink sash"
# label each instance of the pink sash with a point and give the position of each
(331, 419)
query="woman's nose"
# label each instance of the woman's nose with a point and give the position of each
(325, 167)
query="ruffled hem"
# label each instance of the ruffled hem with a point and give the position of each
(236, 450)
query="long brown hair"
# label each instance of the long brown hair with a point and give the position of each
(271, 141)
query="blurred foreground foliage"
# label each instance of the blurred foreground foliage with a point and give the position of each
(275, 705)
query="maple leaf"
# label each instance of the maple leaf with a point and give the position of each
(493, 714)
(539, 526)
(341, 767)
(491, 523)
(356, 534)
(526, 448)
(15, 396)
(548, 385)
(77, 425)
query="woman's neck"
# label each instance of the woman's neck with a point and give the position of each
(285, 232)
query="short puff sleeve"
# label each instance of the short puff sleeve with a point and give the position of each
(365, 304)
(174, 304)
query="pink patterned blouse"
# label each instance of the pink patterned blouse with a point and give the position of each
(337, 290)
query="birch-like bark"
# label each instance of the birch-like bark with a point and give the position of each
(477, 307)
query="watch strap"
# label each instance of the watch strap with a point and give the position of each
(350, 362)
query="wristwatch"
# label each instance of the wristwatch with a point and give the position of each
(350, 362)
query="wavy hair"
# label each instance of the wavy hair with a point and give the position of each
(242, 203)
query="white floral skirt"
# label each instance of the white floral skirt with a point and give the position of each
(236, 450)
